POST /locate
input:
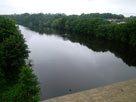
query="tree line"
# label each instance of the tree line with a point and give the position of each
(17, 82)
(90, 25)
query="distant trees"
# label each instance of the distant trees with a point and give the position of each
(14, 74)
(125, 32)
(59, 23)
(104, 15)
(94, 24)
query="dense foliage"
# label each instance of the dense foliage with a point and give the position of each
(18, 83)
(109, 26)
(104, 15)
(13, 51)
(24, 90)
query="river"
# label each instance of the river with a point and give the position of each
(65, 66)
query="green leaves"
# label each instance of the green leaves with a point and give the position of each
(13, 50)
(89, 25)
(17, 83)
(26, 89)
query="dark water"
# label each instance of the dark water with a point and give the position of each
(66, 65)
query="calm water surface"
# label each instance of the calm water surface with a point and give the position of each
(65, 67)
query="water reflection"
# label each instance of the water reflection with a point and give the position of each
(121, 50)
(68, 63)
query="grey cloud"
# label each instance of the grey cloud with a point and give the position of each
(123, 2)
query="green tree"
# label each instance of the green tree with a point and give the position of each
(18, 83)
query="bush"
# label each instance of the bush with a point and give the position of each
(25, 90)
(17, 81)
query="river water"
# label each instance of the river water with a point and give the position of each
(66, 65)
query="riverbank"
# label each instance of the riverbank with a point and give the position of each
(118, 92)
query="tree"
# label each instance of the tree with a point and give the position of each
(18, 82)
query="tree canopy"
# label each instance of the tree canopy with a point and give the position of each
(18, 83)
(106, 25)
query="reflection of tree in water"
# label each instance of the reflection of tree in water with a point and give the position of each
(121, 50)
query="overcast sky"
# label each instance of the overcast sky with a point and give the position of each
(126, 7)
